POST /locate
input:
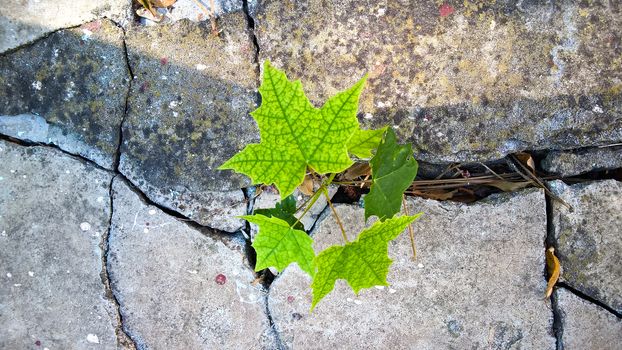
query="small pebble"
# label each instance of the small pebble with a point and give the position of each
(9, 275)
(31, 274)
(92, 338)
(85, 226)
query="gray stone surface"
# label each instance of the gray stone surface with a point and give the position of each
(24, 21)
(68, 89)
(477, 283)
(585, 325)
(165, 276)
(582, 161)
(189, 107)
(489, 79)
(589, 238)
(54, 210)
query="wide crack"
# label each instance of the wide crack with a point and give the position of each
(253, 36)
(117, 156)
(557, 326)
(265, 276)
(558, 315)
(123, 336)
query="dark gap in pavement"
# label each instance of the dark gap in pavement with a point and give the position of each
(558, 324)
(251, 255)
(549, 241)
(251, 28)
(275, 332)
(123, 336)
(589, 299)
(117, 156)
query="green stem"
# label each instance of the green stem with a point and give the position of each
(314, 198)
(343, 231)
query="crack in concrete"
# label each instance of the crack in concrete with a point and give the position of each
(222, 236)
(558, 318)
(590, 299)
(557, 326)
(123, 335)
(277, 336)
(117, 157)
(266, 275)
(253, 36)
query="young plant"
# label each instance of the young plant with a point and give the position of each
(296, 138)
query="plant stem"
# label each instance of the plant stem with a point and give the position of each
(343, 231)
(411, 233)
(314, 198)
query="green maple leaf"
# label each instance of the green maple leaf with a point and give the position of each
(393, 169)
(364, 141)
(363, 263)
(295, 135)
(283, 210)
(277, 244)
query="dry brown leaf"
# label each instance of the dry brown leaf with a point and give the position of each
(357, 170)
(553, 267)
(307, 186)
(527, 161)
(508, 186)
(439, 195)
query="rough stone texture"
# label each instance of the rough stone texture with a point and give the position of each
(582, 161)
(165, 276)
(189, 107)
(488, 79)
(587, 326)
(68, 89)
(477, 283)
(54, 210)
(589, 239)
(24, 21)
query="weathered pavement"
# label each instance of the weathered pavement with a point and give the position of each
(117, 231)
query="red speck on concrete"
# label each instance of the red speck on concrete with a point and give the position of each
(93, 26)
(38, 343)
(290, 299)
(446, 10)
(163, 61)
(221, 279)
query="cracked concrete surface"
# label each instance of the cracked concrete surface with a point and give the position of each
(54, 212)
(154, 280)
